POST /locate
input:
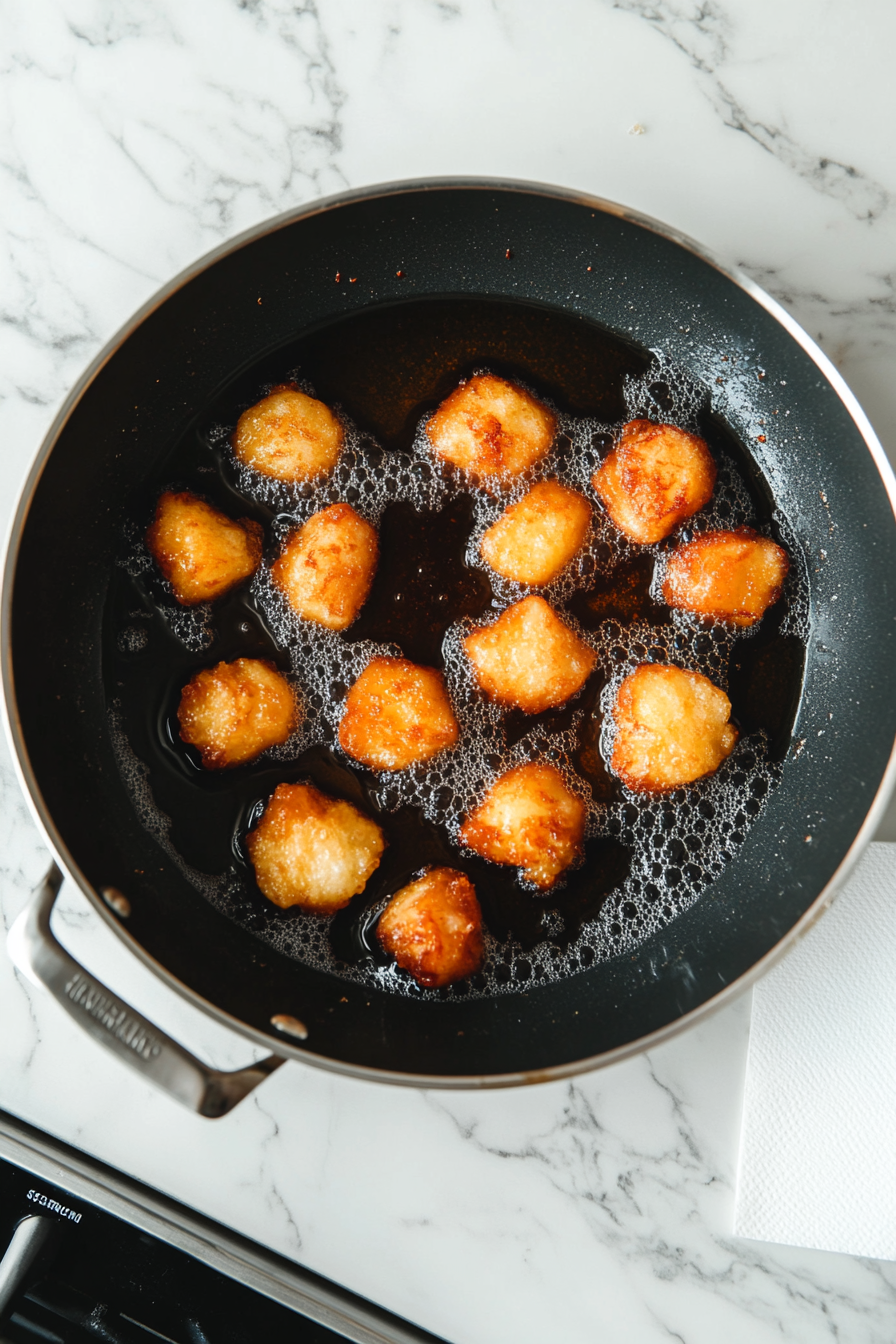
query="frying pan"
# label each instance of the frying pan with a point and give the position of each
(591, 263)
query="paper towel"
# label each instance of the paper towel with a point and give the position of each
(818, 1144)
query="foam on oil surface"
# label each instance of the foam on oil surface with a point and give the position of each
(680, 842)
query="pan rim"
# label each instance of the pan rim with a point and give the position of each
(12, 724)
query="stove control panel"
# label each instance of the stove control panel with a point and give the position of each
(72, 1272)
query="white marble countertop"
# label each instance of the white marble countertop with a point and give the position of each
(137, 134)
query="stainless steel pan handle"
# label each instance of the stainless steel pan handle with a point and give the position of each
(34, 949)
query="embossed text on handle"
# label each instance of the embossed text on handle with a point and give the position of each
(110, 1014)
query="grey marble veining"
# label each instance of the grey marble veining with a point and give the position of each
(136, 135)
(707, 35)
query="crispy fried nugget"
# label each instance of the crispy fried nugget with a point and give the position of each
(327, 566)
(654, 478)
(201, 552)
(671, 728)
(234, 711)
(288, 435)
(433, 928)
(528, 819)
(312, 850)
(728, 576)
(397, 714)
(536, 538)
(490, 427)
(529, 657)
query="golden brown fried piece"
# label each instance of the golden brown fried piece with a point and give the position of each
(536, 538)
(490, 427)
(397, 714)
(312, 850)
(728, 576)
(528, 819)
(201, 552)
(288, 435)
(529, 657)
(235, 711)
(433, 928)
(671, 728)
(327, 566)
(654, 478)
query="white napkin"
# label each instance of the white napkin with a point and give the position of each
(818, 1145)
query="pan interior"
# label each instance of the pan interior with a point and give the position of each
(605, 270)
(386, 368)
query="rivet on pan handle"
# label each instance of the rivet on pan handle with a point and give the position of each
(37, 954)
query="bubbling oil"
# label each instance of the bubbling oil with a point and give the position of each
(647, 857)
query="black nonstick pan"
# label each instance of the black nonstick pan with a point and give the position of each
(400, 288)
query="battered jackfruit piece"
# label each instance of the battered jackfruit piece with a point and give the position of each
(490, 427)
(536, 538)
(201, 552)
(728, 576)
(312, 850)
(288, 435)
(671, 728)
(235, 711)
(529, 658)
(397, 714)
(528, 819)
(654, 478)
(433, 928)
(327, 566)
